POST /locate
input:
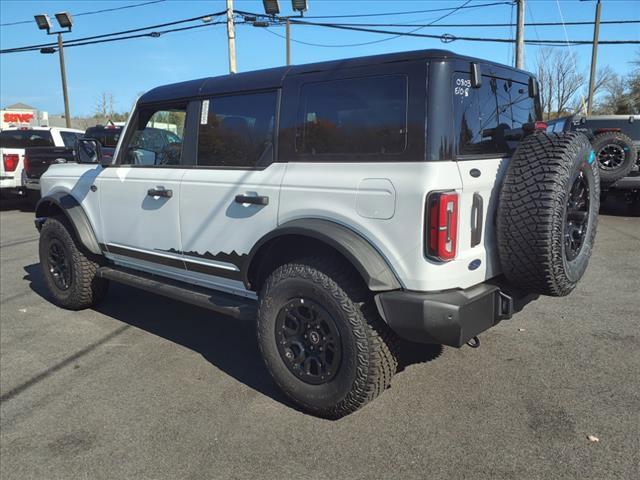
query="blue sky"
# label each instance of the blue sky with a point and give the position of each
(127, 68)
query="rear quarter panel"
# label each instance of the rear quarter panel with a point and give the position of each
(334, 191)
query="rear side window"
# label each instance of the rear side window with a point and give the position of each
(69, 138)
(25, 138)
(489, 120)
(353, 116)
(237, 130)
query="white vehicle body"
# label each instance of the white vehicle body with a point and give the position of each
(340, 205)
(12, 167)
(190, 214)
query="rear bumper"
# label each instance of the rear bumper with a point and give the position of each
(32, 183)
(450, 317)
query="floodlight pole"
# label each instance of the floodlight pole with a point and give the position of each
(63, 74)
(231, 37)
(594, 58)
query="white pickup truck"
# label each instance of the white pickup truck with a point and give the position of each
(14, 141)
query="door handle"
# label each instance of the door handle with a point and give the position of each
(253, 199)
(160, 192)
(476, 218)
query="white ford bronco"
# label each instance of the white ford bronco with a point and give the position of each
(343, 204)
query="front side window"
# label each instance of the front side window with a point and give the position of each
(237, 130)
(158, 139)
(490, 119)
(365, 115)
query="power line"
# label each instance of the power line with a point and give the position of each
(474, 25)
(89, 13)
(451, 12)
(112, 34)
(410, 12)
(448, 38)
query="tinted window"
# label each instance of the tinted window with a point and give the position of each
(158, 138)
(69, 138)
(490, 119)
(237, 130)
(108, 137)
(25, 138)
(353, 116)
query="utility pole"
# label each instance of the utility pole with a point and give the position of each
(520, 36)
(231, 36)
(594, 58)
(288, 35)
(63, 73)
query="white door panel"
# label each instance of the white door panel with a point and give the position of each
(487, 186)
(217, 231)
(132, 219)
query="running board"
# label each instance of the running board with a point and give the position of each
(232, 305)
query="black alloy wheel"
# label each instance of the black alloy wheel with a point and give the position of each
(59, 265)
(577, 217)
(308, 341)
(611, 156)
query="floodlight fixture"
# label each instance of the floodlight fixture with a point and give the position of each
(300, 5)
(64, 20)
(271, 7)
(43, 22)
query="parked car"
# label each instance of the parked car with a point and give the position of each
(38, 159)
(107, 135)
(346, 204)
(14, 141)
(616, 143)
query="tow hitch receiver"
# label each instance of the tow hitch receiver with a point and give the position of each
(474, 342)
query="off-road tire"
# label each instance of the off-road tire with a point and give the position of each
(85, 288)
(532, 211)
(368, 345)
(617, 140)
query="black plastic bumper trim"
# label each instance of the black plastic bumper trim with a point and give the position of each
(450, 317)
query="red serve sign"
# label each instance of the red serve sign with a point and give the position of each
(17, 117)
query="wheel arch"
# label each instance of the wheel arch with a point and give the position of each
(63, 203)
(308, 236)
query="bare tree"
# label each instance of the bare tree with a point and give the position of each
(104, 106)
(560, 81)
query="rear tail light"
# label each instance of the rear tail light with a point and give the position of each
(442, 225)
(10, 161)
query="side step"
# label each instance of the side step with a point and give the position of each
(232, 305)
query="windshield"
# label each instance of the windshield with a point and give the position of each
(25, 138)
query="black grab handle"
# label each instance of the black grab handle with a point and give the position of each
(253, 199)
(160, 192)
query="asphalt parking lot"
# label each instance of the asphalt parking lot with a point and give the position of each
(144, 387)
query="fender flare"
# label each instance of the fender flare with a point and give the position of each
(76, 216)
(369, 262)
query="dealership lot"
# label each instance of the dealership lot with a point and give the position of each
(145, 387)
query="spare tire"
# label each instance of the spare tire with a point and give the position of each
(616, 155)
(548, 213)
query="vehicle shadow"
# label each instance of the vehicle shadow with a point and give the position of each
(227, 343)
(618, 206)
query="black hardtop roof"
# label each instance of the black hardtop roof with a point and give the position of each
(273, 77)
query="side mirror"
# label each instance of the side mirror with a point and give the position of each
(88, 150)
